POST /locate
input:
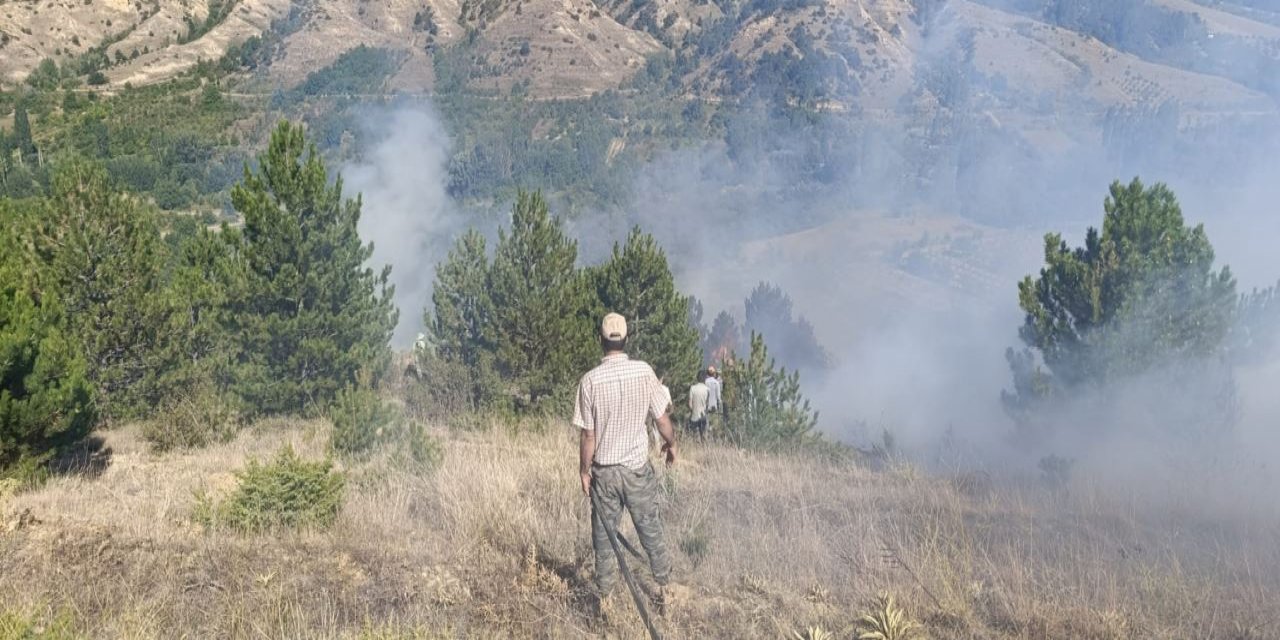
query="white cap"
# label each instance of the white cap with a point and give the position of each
(613, 327)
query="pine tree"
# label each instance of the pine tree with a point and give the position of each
(461, 313)
(208, 279)
(460, 300)
(769, 312)
(723, 339)
(1255, 338)
(22, 140)
(46, 401)
(1141, 296)
(7, 164)
(637, 283)
(696, 313)
(313, 316)
(767, 407)
(101, 251)
(543, 314)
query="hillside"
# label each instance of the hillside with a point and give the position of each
(494, 543)
(141, 42)
(865, 51)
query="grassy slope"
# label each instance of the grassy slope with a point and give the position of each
(495, 543)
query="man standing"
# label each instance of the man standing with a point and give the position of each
(698, 395)
(714, 392)
(614, 399)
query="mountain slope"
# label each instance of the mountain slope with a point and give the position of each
(862, 54)
(137, 42)
(1032, 54)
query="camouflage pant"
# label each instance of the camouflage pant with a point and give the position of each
(619, 487)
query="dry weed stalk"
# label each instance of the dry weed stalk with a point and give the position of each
(894, 557)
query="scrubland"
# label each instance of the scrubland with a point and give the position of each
(493, 541)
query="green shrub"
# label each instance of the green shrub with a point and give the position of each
(1055, 471)
(360, 420)
(422, 449)
(193, 420)
(390, 631)
(287, 493)
(813, 633)
(444, 389)
(696, 544)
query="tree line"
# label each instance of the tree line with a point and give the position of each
(512, 332)
(99, 324)
(103, 320)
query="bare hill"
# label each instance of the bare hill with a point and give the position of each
(1061, 63)
(145, 41)
(572, 48)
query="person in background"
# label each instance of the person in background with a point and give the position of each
(714, 399)
(698, 394)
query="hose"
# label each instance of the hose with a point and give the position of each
(614, 537)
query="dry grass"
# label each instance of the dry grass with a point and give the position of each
(494, 543)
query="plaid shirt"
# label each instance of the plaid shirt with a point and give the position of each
(614, 399)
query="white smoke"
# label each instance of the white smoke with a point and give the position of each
(407, 213)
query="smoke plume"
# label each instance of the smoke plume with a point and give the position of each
(407, 212)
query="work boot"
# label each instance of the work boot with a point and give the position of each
(603, 609)
(670, 595)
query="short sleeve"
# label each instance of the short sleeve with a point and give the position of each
(659, 398)
(583, 417)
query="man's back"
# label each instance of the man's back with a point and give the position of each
(698, 395)
(713, 393)
(614, 399)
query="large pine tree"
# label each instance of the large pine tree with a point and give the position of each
(1140, 297)
(460, 315)
(101, 251)
(46, 401)
(207, 281)
(543, 318)
(313, 315)
(637, 282)
(460, 299)
(722, 339)
(769, 313)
